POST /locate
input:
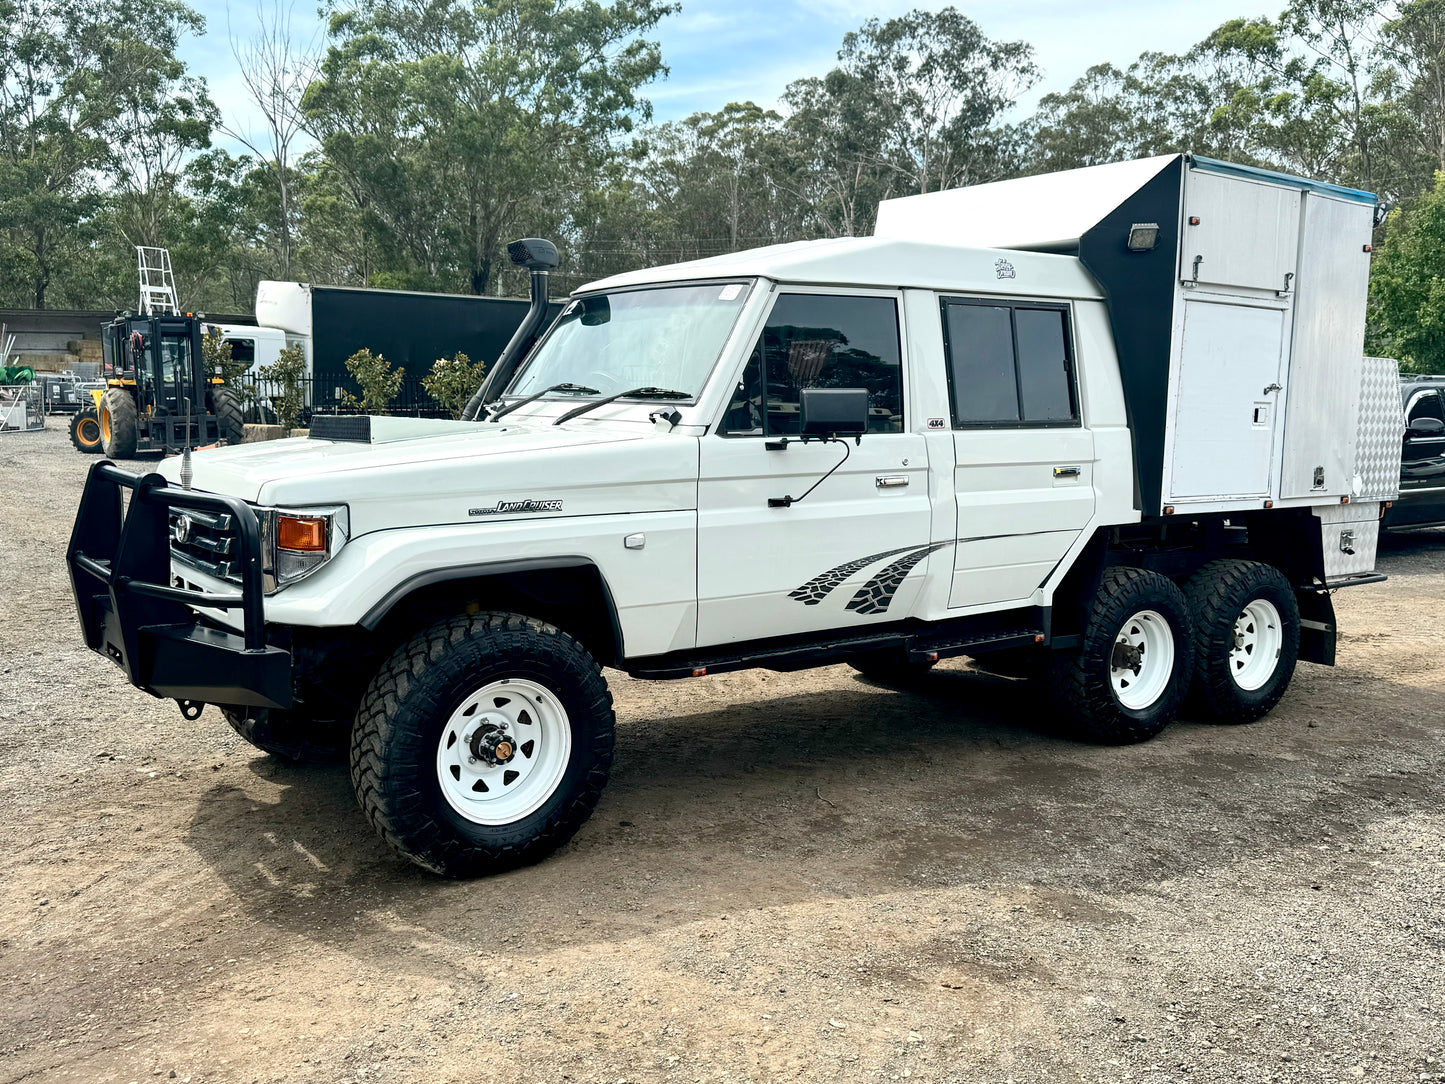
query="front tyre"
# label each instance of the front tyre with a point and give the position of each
(119, 424)
(1125, 681)
(290, 735)
(483, 744)
(1246, 638)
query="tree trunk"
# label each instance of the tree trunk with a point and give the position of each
(42, 270)
(285, 224)
(481, 273)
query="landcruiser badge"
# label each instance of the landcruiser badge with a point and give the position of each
(1003, 269)
(506, 508)
(182, 531)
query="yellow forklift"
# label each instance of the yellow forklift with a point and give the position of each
(158, 394)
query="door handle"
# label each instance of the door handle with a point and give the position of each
(889, 481)
(1066, 472)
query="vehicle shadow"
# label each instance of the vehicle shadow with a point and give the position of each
(852, 790)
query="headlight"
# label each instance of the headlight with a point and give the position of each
(298, 541)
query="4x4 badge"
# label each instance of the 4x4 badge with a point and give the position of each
(504, 508)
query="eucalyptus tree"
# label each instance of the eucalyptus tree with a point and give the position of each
(459, 120)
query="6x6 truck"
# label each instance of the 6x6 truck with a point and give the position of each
(1111, 428)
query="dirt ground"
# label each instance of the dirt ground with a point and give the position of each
(790, 877)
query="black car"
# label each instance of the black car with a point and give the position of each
(1422, 468)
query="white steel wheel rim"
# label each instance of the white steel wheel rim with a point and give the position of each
(1141, 671)
(1257, 638)
(515, 710)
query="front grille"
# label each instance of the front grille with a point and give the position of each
(210, 543)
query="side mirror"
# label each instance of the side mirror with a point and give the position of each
(1426, 427)
(833, 412)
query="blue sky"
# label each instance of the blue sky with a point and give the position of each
(734, 50)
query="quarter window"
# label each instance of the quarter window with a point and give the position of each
(820, 341)
(1009, 364)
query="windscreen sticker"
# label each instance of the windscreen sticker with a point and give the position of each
(730, 291)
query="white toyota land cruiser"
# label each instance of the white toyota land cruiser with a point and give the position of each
(1110, 428)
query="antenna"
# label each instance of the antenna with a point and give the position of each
(157, 284)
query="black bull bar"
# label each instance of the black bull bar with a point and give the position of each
(120, 572)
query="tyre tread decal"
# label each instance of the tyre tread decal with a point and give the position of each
(825, 583)
(875, 596)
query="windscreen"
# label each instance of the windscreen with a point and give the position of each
(664, 337)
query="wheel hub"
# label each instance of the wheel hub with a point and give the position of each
(491, 743)
(1127, 656)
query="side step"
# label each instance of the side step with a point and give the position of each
(922, 650)
(1023, 627)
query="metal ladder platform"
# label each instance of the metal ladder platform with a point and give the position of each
(157, 283)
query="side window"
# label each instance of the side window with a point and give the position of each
(1009, 363)
(243, 350)
(820, 341)
(1427, 406)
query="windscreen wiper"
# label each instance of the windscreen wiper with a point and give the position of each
(631, 393)
(577, 389)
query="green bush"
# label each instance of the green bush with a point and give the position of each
(216, 355)
(379, 385)
(285, 373)
(452, 381)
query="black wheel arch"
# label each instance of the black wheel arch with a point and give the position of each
(568, 591)
(1290, 539)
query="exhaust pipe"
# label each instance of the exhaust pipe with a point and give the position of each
(539, 257)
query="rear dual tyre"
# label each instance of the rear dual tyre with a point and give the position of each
(482, 744)
(1246, 639)
(1126, 680)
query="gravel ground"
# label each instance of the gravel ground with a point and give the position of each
(791, 877)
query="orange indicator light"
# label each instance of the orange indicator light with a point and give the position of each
(304, 533)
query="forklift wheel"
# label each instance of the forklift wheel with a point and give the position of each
(230, 421)
(118, 424)
(85, 432)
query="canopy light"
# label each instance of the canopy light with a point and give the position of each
(1143, 236)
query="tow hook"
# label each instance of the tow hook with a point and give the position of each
(191, 709)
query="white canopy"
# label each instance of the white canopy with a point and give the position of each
(1049, 212)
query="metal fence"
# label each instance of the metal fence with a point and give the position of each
(22, 408)
(326, 394)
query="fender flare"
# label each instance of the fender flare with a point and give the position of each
(374, 616)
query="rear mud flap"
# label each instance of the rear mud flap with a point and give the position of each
(1317, 627)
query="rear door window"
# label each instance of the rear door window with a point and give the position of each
(1009, 363)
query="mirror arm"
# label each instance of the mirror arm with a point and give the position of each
(788, 502)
